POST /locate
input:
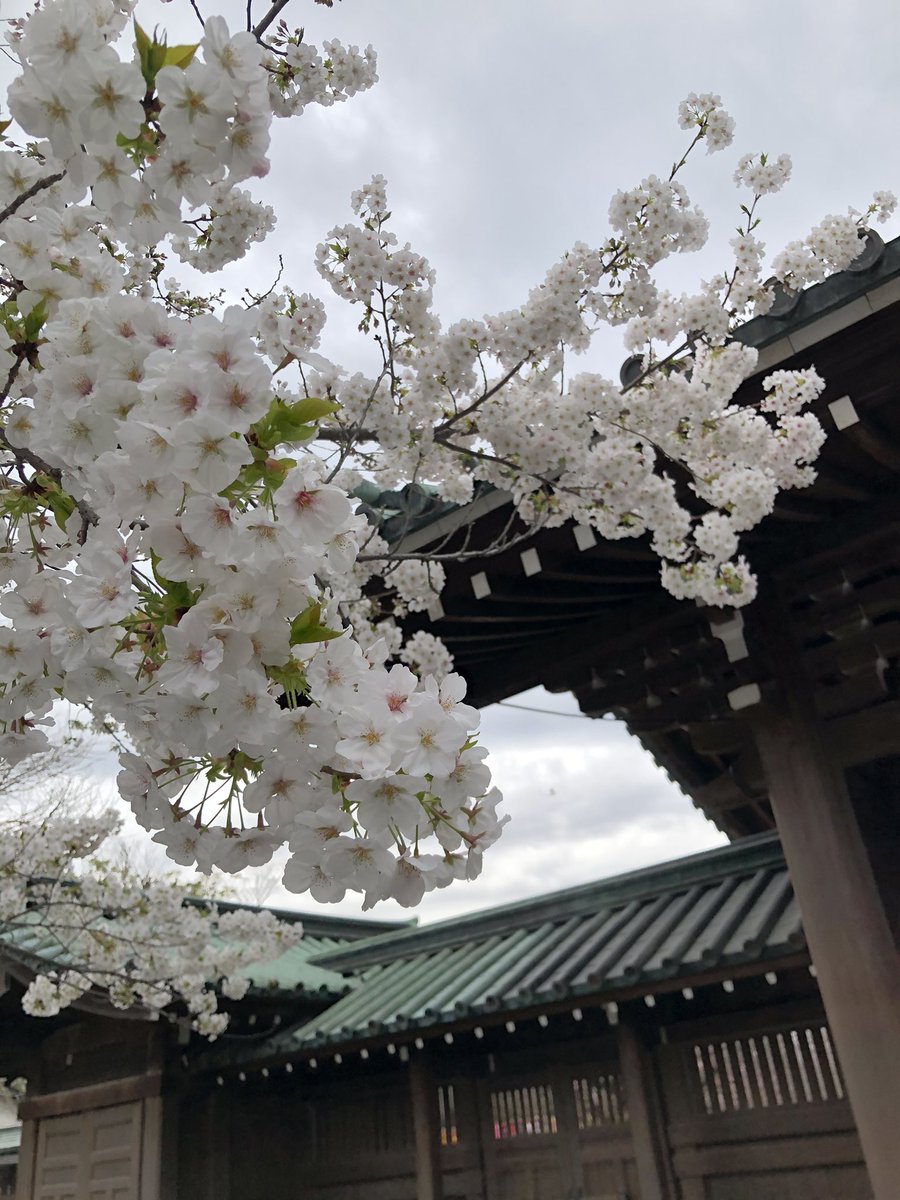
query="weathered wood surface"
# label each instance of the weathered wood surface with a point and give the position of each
(844, 917)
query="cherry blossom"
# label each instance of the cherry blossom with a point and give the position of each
(187, 552)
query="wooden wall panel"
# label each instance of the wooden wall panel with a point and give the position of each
(756, 1111)
(94, 1155)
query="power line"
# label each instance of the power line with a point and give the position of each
(547, 712)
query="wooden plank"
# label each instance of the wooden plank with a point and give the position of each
(780, 1015)
(100, 1095)
(151, 1149)
(568, 1145)
(26, 1163)
(645, 1113)
(770, 1154)
(426, 1126)
(846, 925)
(790, 1120)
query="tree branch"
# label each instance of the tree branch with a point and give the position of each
(88, 516)
(41, 184)
(491, 391)
(260, 28)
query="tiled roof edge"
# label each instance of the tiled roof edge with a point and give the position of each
(822, 298)
(749, 854)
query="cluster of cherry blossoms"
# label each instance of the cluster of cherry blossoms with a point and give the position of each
(171, 537)
(488, 393)
(107, 928)
(184, 550)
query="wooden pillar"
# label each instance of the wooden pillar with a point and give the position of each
(645, 1114)
(846, 926)
(151, 1149)
(216, 1123)
(25, 1166)
(426, 1125)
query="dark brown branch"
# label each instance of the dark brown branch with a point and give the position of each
(88, 516)
(491, 391)
(12, 373)
(41, 184)
(260, 28)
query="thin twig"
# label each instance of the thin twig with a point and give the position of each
(199, 16)
(656, 366)
(259, 299)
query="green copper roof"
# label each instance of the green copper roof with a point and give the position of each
(31, 945)
(10, 1140)
(294, 972)
(648, 930)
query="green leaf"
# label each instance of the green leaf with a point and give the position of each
(59, 502)
(312, 409)
(151, 54)
(291, 678)
(291, 422)
(31, 325)
(141, 41)
(179, 597)
(305, 627)
(180, 56)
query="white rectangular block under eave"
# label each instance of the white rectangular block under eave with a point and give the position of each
(531, 563)
(744, 697)
(843, 413)
(584, 537)
(480, 585)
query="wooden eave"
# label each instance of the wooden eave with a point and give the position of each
(595, 621)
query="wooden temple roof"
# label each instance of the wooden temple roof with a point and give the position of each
(564, 609)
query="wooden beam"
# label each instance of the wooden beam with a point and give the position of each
(863, 736)
(97, 1095)
(426, 1126)
(861, 530)
(645, 1114)
(873, 442)
(846, 926)
(721, 794)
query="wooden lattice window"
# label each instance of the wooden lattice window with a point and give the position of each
(447, 1114)
(768, 1070)
(599, 1101)
(523, 1111)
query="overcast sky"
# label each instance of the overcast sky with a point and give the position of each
(503, 128)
